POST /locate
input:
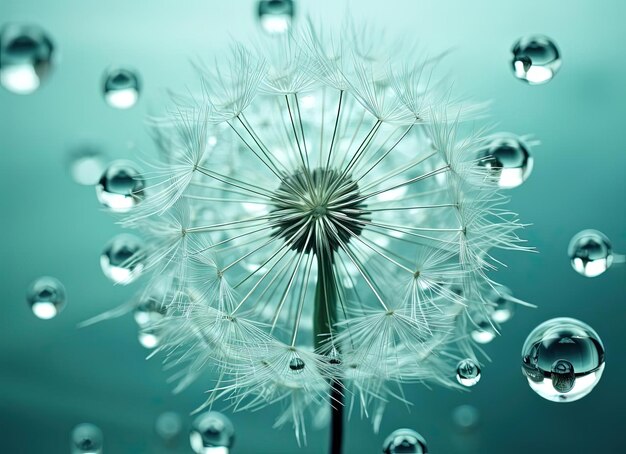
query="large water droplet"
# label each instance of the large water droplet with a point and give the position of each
(120, 187)
(536, 59)
(46, 297)
(467, 372)
(563, 359)
(123, 258)
(212, 433)
(86, 165)
(86, 439)
(121, 88)
(590, 252)
(168, 425)
(25, 57)
(276, 16)
(405, 441)
(509, 159)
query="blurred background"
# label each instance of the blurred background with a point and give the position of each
(54, 376)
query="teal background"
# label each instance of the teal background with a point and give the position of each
(53, 375)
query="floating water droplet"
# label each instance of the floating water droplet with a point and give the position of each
(86, 165)
(149, 338)
(484, 332)
(46, 297)
(563, 359)
(467, 372)
(212, 433)
(509, 159)
(296, 364)
(168, 425)
(276, 16)
(26, 54)
(465, 417)
(536, 59)
(120, 187)
(500, 305)
(405, 441)
(121, 88)
(122, 259)
(590, 252)
(86, 439)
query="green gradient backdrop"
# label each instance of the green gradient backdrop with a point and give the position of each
(53, 376)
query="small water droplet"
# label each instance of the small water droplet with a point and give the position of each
(212, 432)
(484, 332)
(168, 425)
(120, 188)
(122, 259)
(569, 353)
(149, 311)
(509, 159)
(296, 364)
(536, 59)
(86, 165)
(149, 338)
(276, 16)
(334, 357)
(466, 417)
(467, 372)
(46, 297)
(121, 88)
(500, 305)
(86, 439)
(405, 441)
(26, 54)
(590, 253)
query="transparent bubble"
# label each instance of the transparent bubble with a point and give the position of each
(483, 333)
(86, 439)
(120, 187)
(86, 165)
(404, 441)
(296, 364)
(212, 433)
(467, 372)
(563, 359)
(276, 16)
(590, 252)
(122, 259)
(168, 425)
(26, 54)
(465, 417)
(536, 59)
(509, 159)
(501, 306)
(121, 88)
(46, 297)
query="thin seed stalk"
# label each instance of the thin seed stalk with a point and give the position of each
(324, 318)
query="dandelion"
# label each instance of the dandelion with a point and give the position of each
(319, 228)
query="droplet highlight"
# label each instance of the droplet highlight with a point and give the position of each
(123, 259)
(405, 441)
(212, 433)
(276, 16)
(86, 165)
(87, 439)
(509, 160)
(46, 297)
(536, 59)
(590, 253)
(467, 372)
(121, 88)
(121, 188)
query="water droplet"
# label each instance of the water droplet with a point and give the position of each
(86, 165)
(467, 372)
(122, 259)
(563, 359)
(509, 159)
(46, 297)
(25, 58)
(86, 438)
(465, 417)
(484, 332)
(590, 252)
(149, 311)
(120, 187)
(334, 357)
(500, 305)
(212, 432)
(296, 364)
(276, 16)
(149, 338)
(168, 425)
(121, 88)
(405, 441)
(536, 59)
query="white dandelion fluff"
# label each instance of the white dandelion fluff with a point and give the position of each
(319, 228)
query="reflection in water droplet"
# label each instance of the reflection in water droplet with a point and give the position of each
(536, 59)
(563, 359)
(86, 438)
(168, 425)
(276, 16)
(590, 252)
(467, 372)
(122, 259)
(120, 187)
(25, 57)
(86, 165)
(121, 88)
(212, 433)
(405, 441)
(46, 297)
(509, 158)
(296, 364)
(465, 417)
